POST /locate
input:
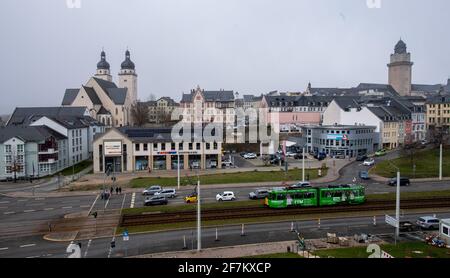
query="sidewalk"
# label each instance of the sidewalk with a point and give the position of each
(228, 252)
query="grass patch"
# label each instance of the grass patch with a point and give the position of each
(77, 168)
(228, 178)
(427, 165)
(401, 250)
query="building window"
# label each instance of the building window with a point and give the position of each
(7, 148)
(190, 146)
(197, 146)
(172, 146)
(20, 148)
(145, 147)
(208, 146)
(8, 159)
(137, 147)
(163, 146)
(215, 146)
(155, 146)
(180, 146)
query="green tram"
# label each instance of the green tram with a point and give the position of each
(316, 196)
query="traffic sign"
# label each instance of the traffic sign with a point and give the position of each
(392, 221)
(125, 235)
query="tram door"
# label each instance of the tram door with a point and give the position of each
(289, 200)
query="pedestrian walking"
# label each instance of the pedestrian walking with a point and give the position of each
(117, 191)
(120, 190)
(112, 190)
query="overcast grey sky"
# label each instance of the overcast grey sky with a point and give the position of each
(250, 46)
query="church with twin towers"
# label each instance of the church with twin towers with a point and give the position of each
(105, 101)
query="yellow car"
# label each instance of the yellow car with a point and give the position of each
(191, 198)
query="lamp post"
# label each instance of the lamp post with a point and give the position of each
(199, 226)
(440, 162)
(303, 164)
(178, 170)
(397, 206)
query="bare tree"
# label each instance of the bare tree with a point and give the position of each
(139, 113)
(151, 97)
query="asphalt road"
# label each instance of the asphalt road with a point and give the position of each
(35, 246)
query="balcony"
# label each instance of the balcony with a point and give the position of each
(48, 151)
(48, 161)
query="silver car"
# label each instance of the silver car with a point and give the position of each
(152, 190)
(167, 193)
(428, 222)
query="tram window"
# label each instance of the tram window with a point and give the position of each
(281, 197)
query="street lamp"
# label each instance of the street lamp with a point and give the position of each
(397, 206)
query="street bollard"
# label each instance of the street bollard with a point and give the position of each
(318, 223)
(242, 232)
(292, 227)
(184, 243)
(217, 235)
(374, 220)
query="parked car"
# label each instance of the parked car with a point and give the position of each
(191, 198)
(155, 200)
(403, 182)
(250, 156)
(225, 196)
(364, 175)
(152, 190)
(361, 157)
(300, 156)
(291, 154)
(242, 154)
(339, 156)
(213, 164)
(168, 193)
(320, 156)
(428, 222)
(195, 165)
(380, 153)
(302, 184)
(406, 226)
(369, 162)
(258, 194)
(227, 163)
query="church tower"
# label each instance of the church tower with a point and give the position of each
(103, 68)
(400, 70)
(128, 77)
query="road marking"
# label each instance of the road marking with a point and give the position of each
(66, 207)
(9, 212)
(381, 193)
(133, 199)
(87, 247)
(32, 257)
(4, 202)
(85, 206)
(107, 202)
(22, 200)
(48, 208)
(3, 207)
(93, 204)
(39, 199)
(4, 248)
(359, 226)
(27, 245)
(30, 210)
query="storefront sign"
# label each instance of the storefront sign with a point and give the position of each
(338, 137)
(113, 148)
(176, 153)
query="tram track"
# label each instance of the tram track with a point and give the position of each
(260, 211)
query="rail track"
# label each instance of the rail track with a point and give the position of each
(259, 211)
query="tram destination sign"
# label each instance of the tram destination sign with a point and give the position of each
(392, 221)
